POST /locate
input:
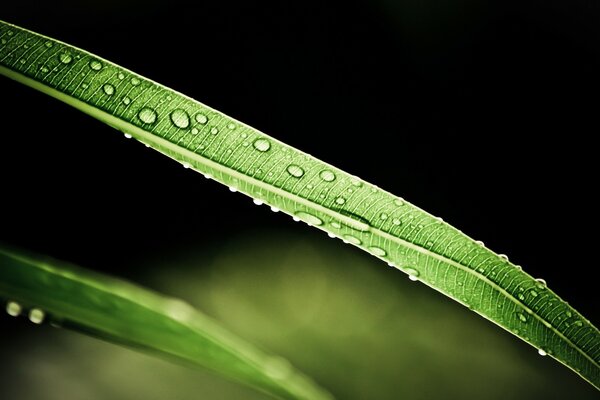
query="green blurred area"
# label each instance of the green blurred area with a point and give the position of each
(358, 327)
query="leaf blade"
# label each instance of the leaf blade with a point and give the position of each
(310, 190)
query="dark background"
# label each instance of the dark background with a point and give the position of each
(481, 112)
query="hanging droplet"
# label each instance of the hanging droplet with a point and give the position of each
(147, 115)
(13, 309)
(127, 136)
(65, 58)
(503, 256)
(95, 65)
(352, 239)
(309, 218)
(327, 175)
(331, 235)
(185, 165)
(232, 189)
(180, 118)
(542, 352)
(36, 316)
(295, 170)
(262, 145)
(377, 251)
(258, 202)
(201, 118)
(108, 89)
(413, 274)
(274, 209)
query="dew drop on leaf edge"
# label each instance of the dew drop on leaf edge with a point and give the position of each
(309, 218)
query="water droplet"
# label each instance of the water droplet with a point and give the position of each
(568, 314)
(541, 284)
(65, 58)
(147, 115)
(126, 100)
(36, 316)
(327, 175)
(232, 189)
(383, 216)
(479, 242)
(295, 170)
(503, 256)
(95, 65)
(208, 176)
(121, 75)
(340, 200)
(309, 218)
(186, 165)
(258, 202)
(578, 323)
(336, 225)
(108, 89)
(296, 219)
(274, 209)
(352, 239)
(127, 136)
(533, 293)
(542, 352)
(331, 235)
(377, 251)
(13, 309)
(195, 131)
(356, 182)
(44, 69)
(413, 274)
(180, 118)
(399, 202)
(521, 317)
(262, 144)
(48, 44)
(396, 221)
(519, 267)
(135, 81)
(201, 118)
(231, 126)
(214, 131)
(521, 296)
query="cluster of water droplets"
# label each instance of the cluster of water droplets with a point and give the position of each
(35, 315)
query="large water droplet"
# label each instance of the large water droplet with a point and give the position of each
(65, 58)
(327, 175)
(377, 251)
(309, 218)
(13, 309)
(352, 239)
(201, 118)
(36, 316)
(295, 170)
(521, 317)
(262, 144)
(542, 352)
(108, 89)
(180, 118)
(147, 115)
(95, 65)
(541, 284)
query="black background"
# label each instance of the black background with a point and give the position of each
(483, 113)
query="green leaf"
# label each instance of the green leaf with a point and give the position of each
(286, 179)
(121, 312)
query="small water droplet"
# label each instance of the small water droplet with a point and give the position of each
(121, 75)
(108, 89)
(36, 316)
(309, 218)
(578, 323)
(331, 235)
(521, 296)
(521, 317)
(377, 251)
(262, 145)
(356, 182)
(208, 176)
(274, 209)
(201, 118)
(195, 131)
(503, 256)
(340, 200)
(147, 115)
(95, 65)
(519, 267)
(65, 58)
(533, 293)
(180, 118)
(327, 175)
(383, 216)
(232, 189)
(214, 131)
(135, 81)
(396, 221)
(48, 44)
(185, 165)
(413, 274)
(568, 314)
(258, 202)
(295, 170)
(126, 100)
(13, 309)
(352, 239)
(127, 136)
(336, 225)
(231, 126)
(296, 219)
(542, 352)
(479, 242)
(541, 283)
(44, 69)
(399, 202)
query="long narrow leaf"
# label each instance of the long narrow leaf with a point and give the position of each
(286, 179)
(124, 313)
